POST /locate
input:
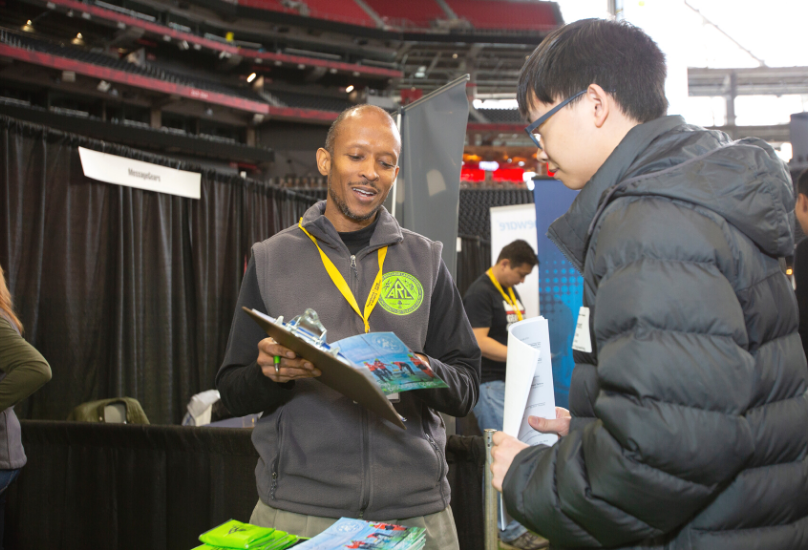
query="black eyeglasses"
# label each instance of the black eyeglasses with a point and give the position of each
(531, 130)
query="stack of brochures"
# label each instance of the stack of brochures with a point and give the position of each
(366, 535)
(234, 534)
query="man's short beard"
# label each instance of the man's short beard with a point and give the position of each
(343, 207)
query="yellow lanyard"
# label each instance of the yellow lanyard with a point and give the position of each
(339, 280)
(512, 299)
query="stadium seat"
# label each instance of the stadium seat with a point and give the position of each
(512, 15)
(414, 13)
(343, 11)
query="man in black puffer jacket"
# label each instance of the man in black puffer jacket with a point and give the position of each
(688, 399)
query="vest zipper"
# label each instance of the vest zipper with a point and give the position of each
(276, 463)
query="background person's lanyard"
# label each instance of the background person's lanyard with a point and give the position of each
(511, 301)
(339, 280)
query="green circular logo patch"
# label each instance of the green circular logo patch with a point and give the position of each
(401, 293)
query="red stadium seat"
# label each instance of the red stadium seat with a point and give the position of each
(513, 15)
(413, 13)
(270, 5)
(343, 11)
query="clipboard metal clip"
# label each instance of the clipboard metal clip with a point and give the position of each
(308, 326)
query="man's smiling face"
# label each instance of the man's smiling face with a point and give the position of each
(361, 168)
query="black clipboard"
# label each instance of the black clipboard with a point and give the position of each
(337, 375)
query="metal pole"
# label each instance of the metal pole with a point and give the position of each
(490, 497)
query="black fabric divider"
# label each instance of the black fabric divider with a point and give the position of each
(159, 487)
(472, 260)
(125, 292)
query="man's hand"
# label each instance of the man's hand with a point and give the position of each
(503, 452)
(559, 426)
(291, 366)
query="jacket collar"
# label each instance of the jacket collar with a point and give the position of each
(387, 229)
(570, 231)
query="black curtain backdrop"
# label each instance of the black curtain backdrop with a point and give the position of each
(125, 292)
(472, 260)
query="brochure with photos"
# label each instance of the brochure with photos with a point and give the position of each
(357, 534)
(394, 367)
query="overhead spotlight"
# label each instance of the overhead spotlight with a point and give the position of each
(70, 13)
(258, 60)
(209, 111)
(356, 73)
(103, 86)
(78, 40)
(251, 77)
(301, 66)
(454, 56)
(85, 15)
(332, 70)
(349, 89)
(278, 63)
(521, 163)
(166, 38)
(183, 45)
(79, 36)
(197, 47)
(28, 27)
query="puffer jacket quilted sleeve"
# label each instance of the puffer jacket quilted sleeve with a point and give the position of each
(697, 384)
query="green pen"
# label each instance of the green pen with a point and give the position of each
(277, 361)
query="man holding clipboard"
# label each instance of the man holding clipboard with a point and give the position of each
(322, 456)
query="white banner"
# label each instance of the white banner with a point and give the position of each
(509, 223)
(141, 175)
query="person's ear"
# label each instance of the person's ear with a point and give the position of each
(504, 263)
(323, 161)
(601, 104)
(802, 202)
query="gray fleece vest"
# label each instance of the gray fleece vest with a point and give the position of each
(320, 453)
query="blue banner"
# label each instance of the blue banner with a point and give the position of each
(561, 287)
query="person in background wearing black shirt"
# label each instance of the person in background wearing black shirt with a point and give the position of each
(801, 257)
(492, 305)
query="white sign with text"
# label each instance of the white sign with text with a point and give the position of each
(509, 223)
(141, 175)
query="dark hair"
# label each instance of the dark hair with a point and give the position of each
(518, 253)
(802, 183)
(618, 57)
(331, 136)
